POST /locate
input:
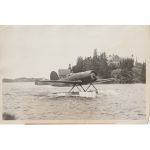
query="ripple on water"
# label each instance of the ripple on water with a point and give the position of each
(114, 101)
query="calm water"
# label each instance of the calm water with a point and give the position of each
(114, 101)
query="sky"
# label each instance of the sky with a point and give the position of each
(35, 51)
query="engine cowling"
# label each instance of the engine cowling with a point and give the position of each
(93, 76)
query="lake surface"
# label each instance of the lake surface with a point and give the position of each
(114, 101)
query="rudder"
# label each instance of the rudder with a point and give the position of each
(54, 76)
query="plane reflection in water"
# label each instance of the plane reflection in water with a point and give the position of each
(75, 80)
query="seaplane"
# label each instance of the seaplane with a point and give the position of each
(76, 80)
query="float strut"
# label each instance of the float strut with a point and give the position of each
(72, 88)
(78, 88)
(88, 87)
(93, 87)
(82, 88)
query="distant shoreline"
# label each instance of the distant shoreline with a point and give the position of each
(23, 79)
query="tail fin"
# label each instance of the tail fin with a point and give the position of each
(54, 76)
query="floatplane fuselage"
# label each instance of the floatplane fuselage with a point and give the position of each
(75, 80)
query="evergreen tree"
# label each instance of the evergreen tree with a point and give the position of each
(79, 65)
(103, 66)
(123, 69)
(127, 64)
(143, 73)
(126, 74)
(88, 63)
(95, 61)
(74, 69)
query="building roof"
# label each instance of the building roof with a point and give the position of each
(63, 72)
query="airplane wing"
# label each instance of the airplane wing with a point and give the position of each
(105, 80)
(61, 81)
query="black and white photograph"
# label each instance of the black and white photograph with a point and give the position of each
(74, 73)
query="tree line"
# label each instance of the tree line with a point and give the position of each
(125, 70)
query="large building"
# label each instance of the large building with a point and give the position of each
(63, 73)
